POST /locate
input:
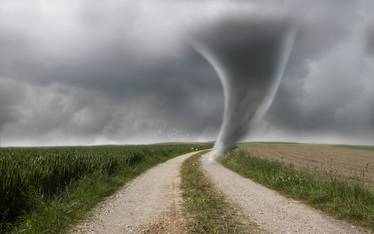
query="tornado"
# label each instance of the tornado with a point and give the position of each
(250, 57)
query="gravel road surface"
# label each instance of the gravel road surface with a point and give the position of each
(270, 210)
(151, 203)
(148, 204)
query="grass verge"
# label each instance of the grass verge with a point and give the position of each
(46, 190)
(348, 200)
(206, 207)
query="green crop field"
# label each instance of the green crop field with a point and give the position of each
(46, 189)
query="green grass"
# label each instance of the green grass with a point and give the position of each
(362, 147)
(44, 190)
(206, 208)
(348, 200)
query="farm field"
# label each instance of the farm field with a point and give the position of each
(335, 179)
(352, 162)
(50, 188)
(53, 189)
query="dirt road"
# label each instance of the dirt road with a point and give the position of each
(151, 203)
(148, 204)
(271, 211)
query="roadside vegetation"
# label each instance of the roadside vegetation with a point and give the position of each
(354, 163)
(351, 200)
(206, 208)
(371, 148)
(44, 190)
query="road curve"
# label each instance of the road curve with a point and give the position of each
(270, 210)
(148, 204)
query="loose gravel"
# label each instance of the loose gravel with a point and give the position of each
(270, 210)
(151, 203)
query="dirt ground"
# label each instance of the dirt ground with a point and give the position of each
(271, 211)
(349, 162)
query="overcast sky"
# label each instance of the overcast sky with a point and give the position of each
(84, 72)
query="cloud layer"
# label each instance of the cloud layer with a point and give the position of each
(74, 72)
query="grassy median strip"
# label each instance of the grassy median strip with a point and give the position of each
(45, 190)
(352, 201)
(206, 208)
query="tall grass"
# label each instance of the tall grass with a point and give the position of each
(33, 177)
(206, 207)
(345, 199)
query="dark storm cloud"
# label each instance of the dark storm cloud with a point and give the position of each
(249, 55)
(11, 94)
(370, 40)
(111, 94)
(76, 72)
(327, 77)
(98, 79)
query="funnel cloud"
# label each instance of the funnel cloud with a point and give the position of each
(249, 56)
